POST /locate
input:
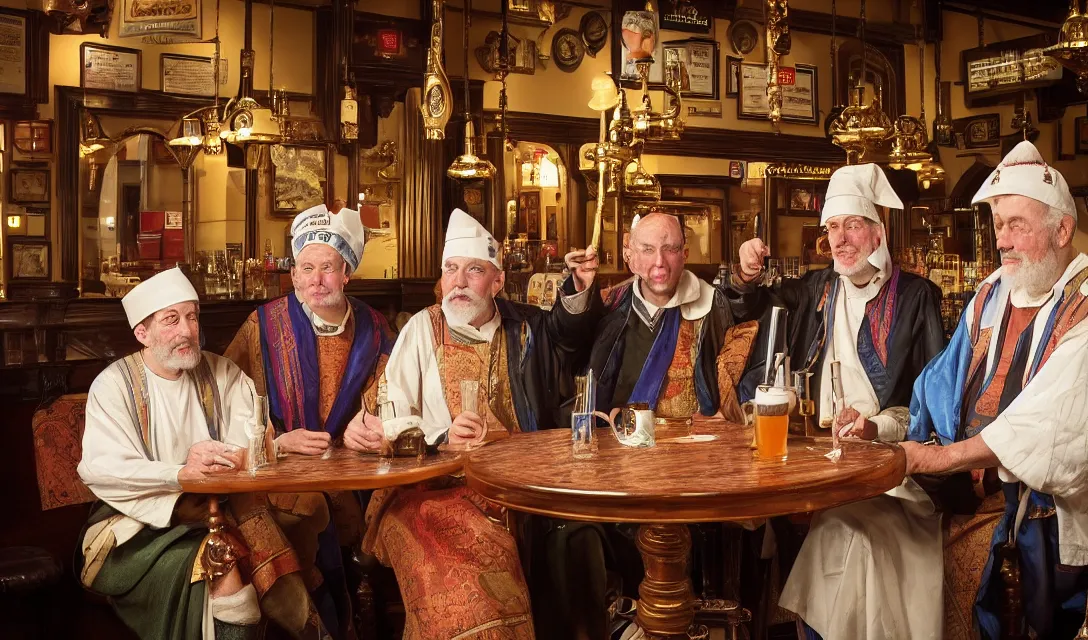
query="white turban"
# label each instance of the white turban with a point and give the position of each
(160, 291)
(1024, 173)
(343, 231)
(467, 238)
(855, 190)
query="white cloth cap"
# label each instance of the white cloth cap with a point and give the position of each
(157, 292)
(467, 238)
(1023, 172)
(854, 190)
(342, 231)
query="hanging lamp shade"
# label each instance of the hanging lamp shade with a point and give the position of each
(1072, 48)
(468, 166)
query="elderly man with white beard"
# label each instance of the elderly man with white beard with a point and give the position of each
(166, 414)
(458, 569)
(883, 326)
(1008, 393)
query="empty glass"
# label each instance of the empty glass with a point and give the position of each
(583, 442)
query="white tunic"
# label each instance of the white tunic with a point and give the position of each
(114, 466)
(413, 376)
(858, 574)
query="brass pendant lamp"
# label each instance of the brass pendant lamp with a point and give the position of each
(1072, 48)
(468, 166)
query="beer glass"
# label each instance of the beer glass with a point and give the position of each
(771, 407)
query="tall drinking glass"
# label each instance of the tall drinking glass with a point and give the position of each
(771, 407)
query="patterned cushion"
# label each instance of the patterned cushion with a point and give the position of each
(966, 549)
(58, 447)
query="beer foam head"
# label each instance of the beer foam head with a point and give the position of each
(771, 396)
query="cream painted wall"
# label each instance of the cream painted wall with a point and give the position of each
(220, 200)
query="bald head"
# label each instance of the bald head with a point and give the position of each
(657, 256)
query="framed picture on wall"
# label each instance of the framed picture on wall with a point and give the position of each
(28, 186)
(698, 60)
(110, 68)
(529, 211)
(1080, 128)
(28, 259)
(732, 76)
(301, 178)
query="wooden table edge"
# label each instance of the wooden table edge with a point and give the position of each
(231, 483)
(696, 508)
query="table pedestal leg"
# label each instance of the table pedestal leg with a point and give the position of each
(666, 606)
(219, 556)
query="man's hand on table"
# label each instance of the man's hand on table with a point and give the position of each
(364, 432)
(852, 424)
(208, 457)
(304, 441)
(467, 430)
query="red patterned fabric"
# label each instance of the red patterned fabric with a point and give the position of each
(58, 447)
(881, 313)
(457, 567)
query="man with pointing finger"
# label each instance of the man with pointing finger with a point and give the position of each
(882, 326)
(457, 567)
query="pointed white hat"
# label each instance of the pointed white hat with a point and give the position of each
(161, 290)
(342, 231)
(1023, 172)
(467, 238)
(855, 190)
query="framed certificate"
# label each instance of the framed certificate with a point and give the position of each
(698, 66)
(109, 68)
(799, 100)
(190, 75)
(13, 54)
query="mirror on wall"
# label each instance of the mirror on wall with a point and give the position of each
(137, 195)
(537, 196)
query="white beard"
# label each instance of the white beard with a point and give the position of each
(170, 360)
(462, 314)
(859, 266)
(1035, 278)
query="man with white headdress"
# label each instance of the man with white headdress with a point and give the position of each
(1009, 393)
(882, 326)
(317, 354)
(166, 414)
(458, 569)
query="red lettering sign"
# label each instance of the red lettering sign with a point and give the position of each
(389, 41)
(787, 76)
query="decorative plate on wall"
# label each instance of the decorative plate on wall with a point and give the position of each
(744, 36)
(568, 50)
(594, 31)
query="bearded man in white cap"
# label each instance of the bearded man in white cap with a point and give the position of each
(166, 414)
(458, 569)
(882, 326)
(1009, 393)
(317, 354)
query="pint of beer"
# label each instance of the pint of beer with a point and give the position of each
(771, 408)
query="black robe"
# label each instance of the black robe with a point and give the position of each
(543, 349)
(610, 343)
(916, 336)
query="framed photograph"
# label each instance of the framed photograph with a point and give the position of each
(28, 259)
(301, 177)
(804, 199)
(190, 75)
(28, 186)
(33, 137)
(698, 66)
(13, 54)
(109, 68)
(800, 102)
(1080, 128)
(732, 76)
(529, 211)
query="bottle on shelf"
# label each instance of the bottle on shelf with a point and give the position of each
(269, 259)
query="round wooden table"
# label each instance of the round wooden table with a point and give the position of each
(708, 479)
(342, 470)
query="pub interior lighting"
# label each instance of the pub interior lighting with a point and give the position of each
(469, 166)
(1072, 48)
